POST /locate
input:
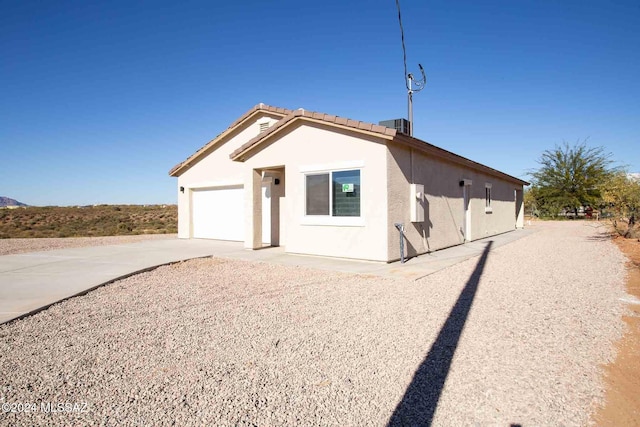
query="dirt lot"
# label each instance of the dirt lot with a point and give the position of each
(516, 336)
(622, 406)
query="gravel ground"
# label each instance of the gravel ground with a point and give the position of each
(518, 335)
(17, 246)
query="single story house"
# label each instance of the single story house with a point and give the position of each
(324, 185)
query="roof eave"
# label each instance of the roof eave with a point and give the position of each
(194, 158)
(455, 158)
(238, 155)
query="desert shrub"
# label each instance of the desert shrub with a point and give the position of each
(87, 221)
(124, 227)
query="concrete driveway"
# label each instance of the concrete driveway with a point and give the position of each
(30, 282)
(35, 280)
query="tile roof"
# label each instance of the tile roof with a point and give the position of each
(311, 115)
(282, 112)
(289, 116)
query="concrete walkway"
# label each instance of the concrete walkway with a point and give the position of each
(33, 281)
(413, 269)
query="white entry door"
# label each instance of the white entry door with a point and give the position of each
(218, 213)
(266, 214)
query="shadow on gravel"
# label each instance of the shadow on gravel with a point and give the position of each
(601, 237)
(603, 232)
(420, 400)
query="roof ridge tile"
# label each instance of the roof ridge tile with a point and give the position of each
(290, 115)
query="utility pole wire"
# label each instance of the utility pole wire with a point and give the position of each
(409, 79)
(404, 50)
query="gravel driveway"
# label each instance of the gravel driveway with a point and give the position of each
(513, 337)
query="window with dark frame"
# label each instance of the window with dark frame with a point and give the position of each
(340, 199)
(487, 196)
(346, 193)
(317, 190)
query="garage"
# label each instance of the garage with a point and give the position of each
(218, 213)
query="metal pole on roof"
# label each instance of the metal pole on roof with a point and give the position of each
(410, 96)
(409, 79)
(419, 85)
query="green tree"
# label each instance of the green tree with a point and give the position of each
(531, 201)
(570, 177)
(621, 195)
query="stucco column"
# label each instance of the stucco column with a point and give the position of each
(519, 208)
(253, 209)
(185, 225)
(466, 201)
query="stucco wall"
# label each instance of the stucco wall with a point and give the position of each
(444, 223)
(387, 169)
(215, 169)
(502, 217)
(316, 147)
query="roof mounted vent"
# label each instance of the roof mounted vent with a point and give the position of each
(401, 125)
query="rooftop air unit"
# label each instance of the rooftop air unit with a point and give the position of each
(401, 125)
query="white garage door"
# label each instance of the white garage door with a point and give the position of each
(218, 213)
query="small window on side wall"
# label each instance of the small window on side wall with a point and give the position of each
(487, 198)
(334, 194)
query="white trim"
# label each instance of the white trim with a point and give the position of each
(213, 184)
(357, 164)
(487, 198)
(467, 182)
(330, 219)
(337, 221)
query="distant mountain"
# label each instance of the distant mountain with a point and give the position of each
(5, 201)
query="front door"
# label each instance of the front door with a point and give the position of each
(266, 212)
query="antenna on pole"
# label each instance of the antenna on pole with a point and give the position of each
(411, 83)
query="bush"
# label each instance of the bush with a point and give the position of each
(87, 221)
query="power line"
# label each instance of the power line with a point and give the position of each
(410, 81)
(404, 50)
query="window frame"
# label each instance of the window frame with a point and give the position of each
(487, 198)
(330, 219)
(306, 200)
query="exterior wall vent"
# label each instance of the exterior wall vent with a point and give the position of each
(401, 125)
(263, 126)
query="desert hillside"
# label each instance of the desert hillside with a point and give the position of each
(79, 221)
(9, 202)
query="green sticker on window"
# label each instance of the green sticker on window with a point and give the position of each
(347, 188)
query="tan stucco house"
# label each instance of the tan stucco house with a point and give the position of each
(319, 184)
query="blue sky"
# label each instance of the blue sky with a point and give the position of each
(100, 99)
